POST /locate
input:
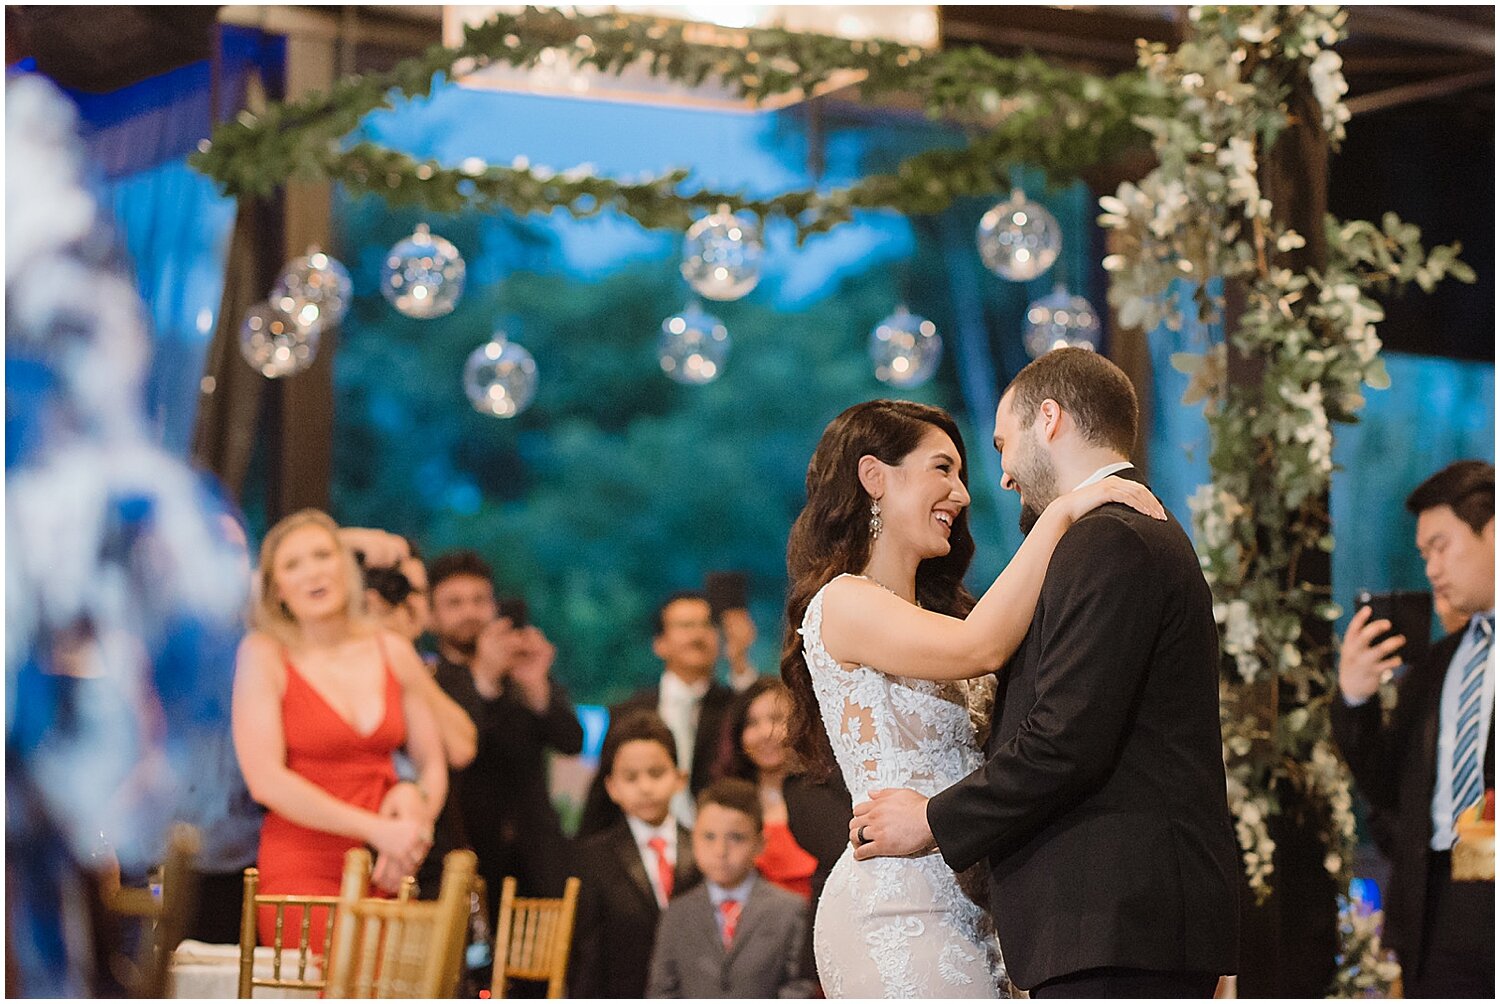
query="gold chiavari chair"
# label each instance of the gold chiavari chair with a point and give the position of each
(167, 914)
(311, 960)
(533, 938)
(406, 948)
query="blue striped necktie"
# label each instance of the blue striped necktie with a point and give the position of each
(1468, 779)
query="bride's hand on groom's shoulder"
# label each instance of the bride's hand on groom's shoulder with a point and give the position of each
(1081, 501)
(893, 823)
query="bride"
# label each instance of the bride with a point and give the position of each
(891, 682)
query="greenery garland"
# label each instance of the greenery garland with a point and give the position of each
(1016, 111)
(1210, 109)
(1201, 215)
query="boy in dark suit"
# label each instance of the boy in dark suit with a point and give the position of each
(629, 871)
(734, 935)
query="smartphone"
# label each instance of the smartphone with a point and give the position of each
(515, 608)
(726, 591)
(1410, 614)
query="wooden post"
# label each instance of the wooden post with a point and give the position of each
(1288, 943)
(299, 418)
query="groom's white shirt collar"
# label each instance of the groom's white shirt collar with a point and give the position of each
(1103, 473)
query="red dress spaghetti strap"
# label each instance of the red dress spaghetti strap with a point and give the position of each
(352, 767)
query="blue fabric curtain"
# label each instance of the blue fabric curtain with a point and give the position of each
(172, 222)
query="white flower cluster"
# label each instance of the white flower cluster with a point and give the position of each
(1305, 422)
(1355, 316)
(1327, 777)
(1241, 636)
(1215, 515)
(1250, 812)
(1326, 74)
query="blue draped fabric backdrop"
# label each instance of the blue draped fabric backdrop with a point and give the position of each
(172, 221)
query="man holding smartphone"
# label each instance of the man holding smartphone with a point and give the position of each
(499, 671)
(1434, 758)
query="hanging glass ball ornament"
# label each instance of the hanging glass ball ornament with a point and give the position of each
(313, 290)
(1059, 319)
(905, 349)
(500, 377)
(1019, 239)
(693, 346)
(423, 275)
(721, 256)
(276, 344)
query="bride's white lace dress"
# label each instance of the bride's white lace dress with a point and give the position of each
(900, 927)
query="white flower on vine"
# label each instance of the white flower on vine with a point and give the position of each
(1326, 75)
(1241, 634)
(1253, 32)
(1237, 158)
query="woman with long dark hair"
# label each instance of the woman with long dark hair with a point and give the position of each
(882, 643)
(759, 753)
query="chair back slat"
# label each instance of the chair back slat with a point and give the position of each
(533, 938)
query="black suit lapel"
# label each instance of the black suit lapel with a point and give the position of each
(685, 875)
(635, 869)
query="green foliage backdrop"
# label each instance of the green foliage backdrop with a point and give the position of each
(617, 486)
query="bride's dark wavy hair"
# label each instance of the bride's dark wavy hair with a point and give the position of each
(832, 536)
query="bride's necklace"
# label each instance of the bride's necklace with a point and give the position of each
(888, 589)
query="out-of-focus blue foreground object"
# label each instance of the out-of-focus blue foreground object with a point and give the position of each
(126, 578)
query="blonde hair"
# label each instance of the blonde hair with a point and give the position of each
(269, 614)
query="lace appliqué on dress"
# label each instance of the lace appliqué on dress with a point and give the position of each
(900, 927)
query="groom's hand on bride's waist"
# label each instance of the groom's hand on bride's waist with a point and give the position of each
(893, 823)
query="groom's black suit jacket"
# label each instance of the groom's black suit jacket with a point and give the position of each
(1101, 806)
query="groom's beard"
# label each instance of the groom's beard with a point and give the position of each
(1029, 516)
(1036, 479)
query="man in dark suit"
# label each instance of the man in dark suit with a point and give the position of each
(688, 699)
(1435, 756)
(500, 674)
(1101, 807)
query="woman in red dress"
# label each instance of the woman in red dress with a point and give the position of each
(322, 697)
(759, 753)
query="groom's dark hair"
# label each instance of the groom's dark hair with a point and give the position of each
(1094, 392)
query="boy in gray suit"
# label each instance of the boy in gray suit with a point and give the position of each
(734, 935)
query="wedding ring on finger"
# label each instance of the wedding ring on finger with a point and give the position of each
(859, 836)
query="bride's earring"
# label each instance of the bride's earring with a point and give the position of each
(876, 524)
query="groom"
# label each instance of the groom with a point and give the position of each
(1101, 808)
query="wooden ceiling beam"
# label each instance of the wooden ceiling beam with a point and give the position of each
(1391, 64)
(327, 24)
(1093, 33)
(1415, 27)
(1426, 90)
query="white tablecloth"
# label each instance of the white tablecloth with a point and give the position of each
(200, 970)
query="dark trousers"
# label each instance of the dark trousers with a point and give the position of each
(216, 919)
(1118, 982)
(1458, 938)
